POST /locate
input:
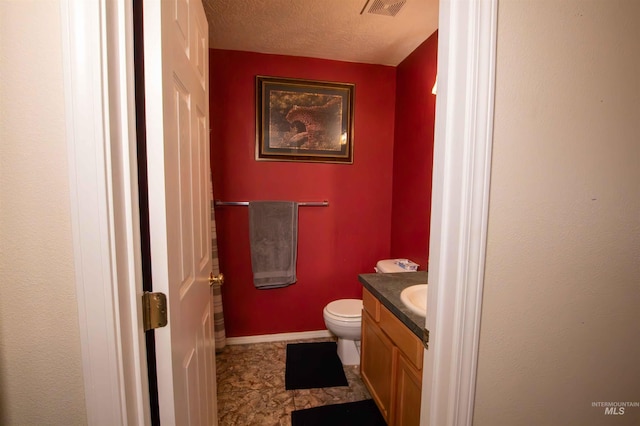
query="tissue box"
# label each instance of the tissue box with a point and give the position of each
(406, 264)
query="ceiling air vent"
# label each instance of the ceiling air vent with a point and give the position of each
(384, 7)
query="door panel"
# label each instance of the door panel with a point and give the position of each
(409, 391)
(376, 365)
(176, 92)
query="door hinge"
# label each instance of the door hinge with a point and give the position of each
(425, 338)
(154, 310)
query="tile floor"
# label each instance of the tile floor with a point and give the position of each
(251, 386)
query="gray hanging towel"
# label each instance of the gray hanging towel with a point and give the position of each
(273, 236)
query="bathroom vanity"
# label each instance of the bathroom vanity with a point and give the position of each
(393, 342)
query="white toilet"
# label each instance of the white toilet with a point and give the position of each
(343, 318)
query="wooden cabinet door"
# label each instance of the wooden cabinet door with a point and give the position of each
(406, 410)
(376, 365)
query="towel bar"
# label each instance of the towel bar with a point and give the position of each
(324, 203)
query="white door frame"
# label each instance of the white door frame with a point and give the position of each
(459, 208)
(97, 45)
(100, 109)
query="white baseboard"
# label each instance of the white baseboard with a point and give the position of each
(243, 340)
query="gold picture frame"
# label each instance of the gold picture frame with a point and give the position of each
(304, 120)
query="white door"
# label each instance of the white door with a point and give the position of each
(177, 123)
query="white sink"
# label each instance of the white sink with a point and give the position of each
(415, 298)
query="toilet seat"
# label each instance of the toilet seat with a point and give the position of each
(346, 310)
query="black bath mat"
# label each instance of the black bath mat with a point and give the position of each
(313, 365)
(352, 413)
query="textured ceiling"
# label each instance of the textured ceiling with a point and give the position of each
(328, 29)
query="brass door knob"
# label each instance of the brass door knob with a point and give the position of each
(218, 279)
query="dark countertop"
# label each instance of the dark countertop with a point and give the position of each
(387, 289)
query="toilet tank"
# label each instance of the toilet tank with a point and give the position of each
(395, 265)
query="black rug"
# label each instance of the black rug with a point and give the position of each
(313, 365)
(352, 413)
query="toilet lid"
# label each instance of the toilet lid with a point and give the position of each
(348, 308)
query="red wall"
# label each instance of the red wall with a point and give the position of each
(413, 153)
(335, 243)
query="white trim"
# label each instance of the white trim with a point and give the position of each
(461, 174)
(98, 85)
(265, 338)
(88, 136)
(118, 38)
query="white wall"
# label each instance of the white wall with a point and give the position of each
(561, 311)
(40, 360)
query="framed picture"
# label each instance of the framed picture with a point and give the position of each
(304, 120)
